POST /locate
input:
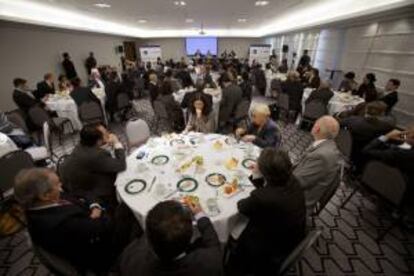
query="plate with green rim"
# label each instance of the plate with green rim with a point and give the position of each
(160, 160)
(174, 142)
(216, 179)
(135, 186)
(187, 185)
(247, 163)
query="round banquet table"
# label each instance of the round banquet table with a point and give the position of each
(180, 149)
(66, 107)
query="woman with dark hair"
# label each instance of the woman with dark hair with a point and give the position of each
(277, 217)
(314, 79)
(349, 83)
(186, 81)
(367, 89)
(200, 115)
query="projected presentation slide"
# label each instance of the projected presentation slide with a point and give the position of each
(204, 44)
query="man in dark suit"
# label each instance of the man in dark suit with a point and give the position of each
(322, 94)
(294, 89)
(69, 67)
(90, 171)
(80, 232)
(231, 97)
(304, 60)
(45, 87)
(90, 63)
(277, 217)
(167, 249)
(319, 166)
(391, 95)
(81, 94)
(364, 129)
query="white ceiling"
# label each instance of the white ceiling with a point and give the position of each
(164, 19)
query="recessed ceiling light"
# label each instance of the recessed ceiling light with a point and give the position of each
(261, 3)
(180, 3)
(189, 20)
(102, 5)
(242, 20)
(142, 21)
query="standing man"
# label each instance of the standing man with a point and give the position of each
(90, 63)
(391, 95)
(304, 59)
(69, 67)
(231, 97)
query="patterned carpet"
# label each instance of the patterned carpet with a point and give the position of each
(347, 246)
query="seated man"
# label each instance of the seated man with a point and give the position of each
(77, 231)
(262, 131)
(167, 248)
(276, 212)
(319, 167)
(365, 128)
(391, 94)
(81, 94)
(322, 94)
(90, 171)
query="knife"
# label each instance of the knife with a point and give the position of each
(152, 184)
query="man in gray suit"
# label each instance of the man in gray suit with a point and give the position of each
(232, 96)
(319, 166)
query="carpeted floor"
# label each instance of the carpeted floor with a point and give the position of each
(347, 246)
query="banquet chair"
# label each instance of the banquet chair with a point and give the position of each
(91, 112)
(48, 142)
(283, 105)
(56, 264)
(241, 114)
(39, 116)
(137, 132)
(10, 165)
(17, 119)
(163, 123)
(123, 104)
(344, 143)
(299, 251)
(386, 182)
(313, 111)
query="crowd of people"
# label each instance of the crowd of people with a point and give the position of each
(76, 215)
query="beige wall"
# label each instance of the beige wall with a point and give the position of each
(30, 51)
(175, 47)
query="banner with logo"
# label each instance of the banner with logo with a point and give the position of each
(150, 53)
(259, 53)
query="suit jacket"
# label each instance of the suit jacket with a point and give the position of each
(232, 96)
(69, 68)
(153, 91)
(317, 170)
(304, 60)
(43, 89)
(277, 219)
(83, 95)
(363, 131)
(393, 156)
(390, 100)
(24, 101)
(247, 90)
(90, 172)
(66, 230)
(295, 92)
(265, 137)
(111, 91)
(204, 259)
(368, 92)
(323, 95)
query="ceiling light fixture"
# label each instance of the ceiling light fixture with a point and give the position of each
(102, 5)
(142, 21)
(261, 3)
(180, 3)
(242, 20)
(189, 20)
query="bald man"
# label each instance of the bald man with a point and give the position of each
(319, 167)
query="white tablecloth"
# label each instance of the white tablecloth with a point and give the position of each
(6, 145)
(339, 102)
(215, 93)
(66, 107)
(167, 176)
(269, 78)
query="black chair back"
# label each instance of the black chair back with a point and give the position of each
(344, 143)
(327, 196)
(314, 110)
(386, 181)
(10, 165)
(38, 116)
(17, 119)
(122, 101)
(242, 110)
(299, 251)
(91, 112)
(283, 101)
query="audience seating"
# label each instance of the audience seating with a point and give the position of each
(91, 112)
(377, 178)
(299, 251)
(137, 132)
(344, 143)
